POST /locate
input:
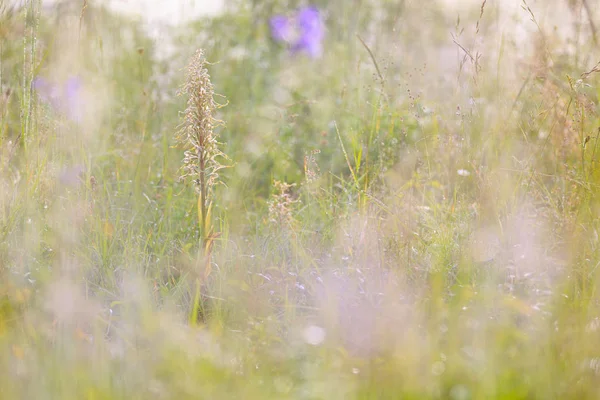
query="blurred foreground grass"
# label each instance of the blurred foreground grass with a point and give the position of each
(411, 215)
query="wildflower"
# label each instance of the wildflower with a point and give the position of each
(311, 168)
(201, 158)
(72, 98)
(281, 28)
(196, 133)
(304, 32)
(65, 98)
(311, 32)
(281, 204)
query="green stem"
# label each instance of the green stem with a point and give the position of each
(203, 233)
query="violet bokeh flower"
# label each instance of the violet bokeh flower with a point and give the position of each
(304, 32)
(311, 31)
(281, 28)
(47, 92)
(73, 98)
(64, 98)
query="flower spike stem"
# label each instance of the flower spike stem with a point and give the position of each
(196, 133)
(201, 160)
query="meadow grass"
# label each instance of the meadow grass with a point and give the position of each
(413, 214)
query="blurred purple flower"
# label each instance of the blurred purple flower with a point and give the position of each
(305, 32)
(73, 98)
(311, 31)
(281, 28)
(65, 98)
(46, 91)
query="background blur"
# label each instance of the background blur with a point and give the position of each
(407, 206)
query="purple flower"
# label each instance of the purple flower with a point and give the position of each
(311, 31)
(281, 29)
(65, 98)
(48, 92)
(305, 32)
(73, 98)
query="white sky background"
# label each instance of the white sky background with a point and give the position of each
(167, 11)
(159, 11)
